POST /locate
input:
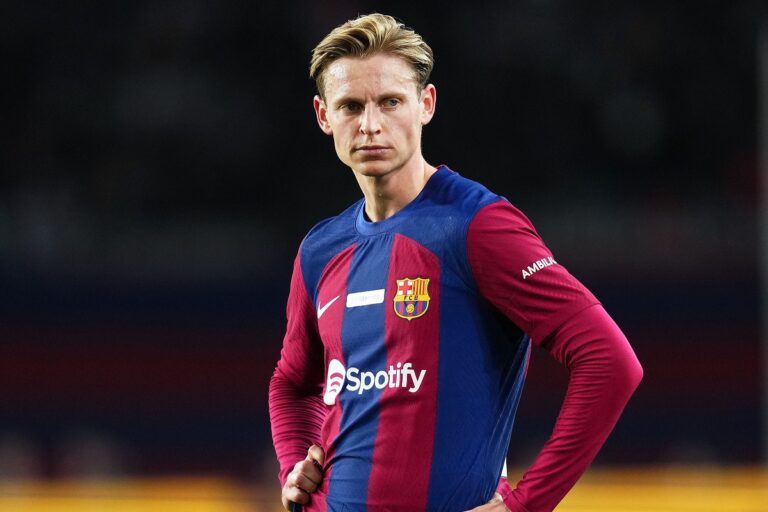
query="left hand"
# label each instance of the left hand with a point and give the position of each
(495, 505)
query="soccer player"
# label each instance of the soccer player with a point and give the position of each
(411, 316)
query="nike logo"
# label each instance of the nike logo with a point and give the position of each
(321, 310)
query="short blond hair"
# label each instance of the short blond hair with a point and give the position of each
(368, 35)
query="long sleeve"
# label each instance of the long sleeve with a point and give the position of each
(296, 409)
(604, 373)
(517, 273)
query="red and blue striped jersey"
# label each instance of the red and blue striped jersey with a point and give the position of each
(407, 345)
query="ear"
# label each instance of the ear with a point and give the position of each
(428, 103)
(321, 112)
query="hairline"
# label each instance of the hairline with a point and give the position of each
(414, 72)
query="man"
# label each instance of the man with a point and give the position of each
(411, 313)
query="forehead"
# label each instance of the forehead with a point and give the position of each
(371, 75)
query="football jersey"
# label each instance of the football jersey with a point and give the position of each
(413, 335)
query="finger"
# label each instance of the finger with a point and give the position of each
(303, 482)
(317, 454)
(294, 495)
(309, 469)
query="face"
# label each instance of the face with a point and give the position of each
(375, 113)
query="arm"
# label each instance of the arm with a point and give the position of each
(562, 316)
(604, 373)
(296, 409)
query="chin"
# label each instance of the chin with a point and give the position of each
(375, 168)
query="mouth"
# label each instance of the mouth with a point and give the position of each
(371, 148)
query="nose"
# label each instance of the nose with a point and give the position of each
(370, 121)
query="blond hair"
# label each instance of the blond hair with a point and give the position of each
(368, 35)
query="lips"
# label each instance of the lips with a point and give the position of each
(371, 148)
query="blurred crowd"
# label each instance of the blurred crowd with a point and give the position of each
(160, 163)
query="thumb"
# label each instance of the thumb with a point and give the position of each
(316, 454)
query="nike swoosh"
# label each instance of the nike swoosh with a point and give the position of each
(321, 310)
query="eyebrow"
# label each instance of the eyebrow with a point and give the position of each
(351, 98)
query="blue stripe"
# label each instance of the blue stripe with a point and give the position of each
(480, 379)
(362, 337)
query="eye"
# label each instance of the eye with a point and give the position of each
(351, 107)
(391, 102)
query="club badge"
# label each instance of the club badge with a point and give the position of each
(411, 298)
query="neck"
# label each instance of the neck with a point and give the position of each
(386, 195)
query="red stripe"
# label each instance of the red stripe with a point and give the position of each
(407, 419)
(332, 283)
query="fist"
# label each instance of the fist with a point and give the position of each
(306, 477)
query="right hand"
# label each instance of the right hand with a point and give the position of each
(304, 479)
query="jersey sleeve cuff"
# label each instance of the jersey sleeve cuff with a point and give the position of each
(508, 496)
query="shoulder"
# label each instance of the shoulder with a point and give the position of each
(480, 204)
(443, 216)
(326, 239)
(330, 230)
(462, 194)
(501, 215)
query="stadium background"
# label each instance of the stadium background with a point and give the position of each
(160, 163)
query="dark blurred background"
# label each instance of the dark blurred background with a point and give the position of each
(160, 163)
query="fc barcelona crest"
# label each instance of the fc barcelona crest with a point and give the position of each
(412, 297)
